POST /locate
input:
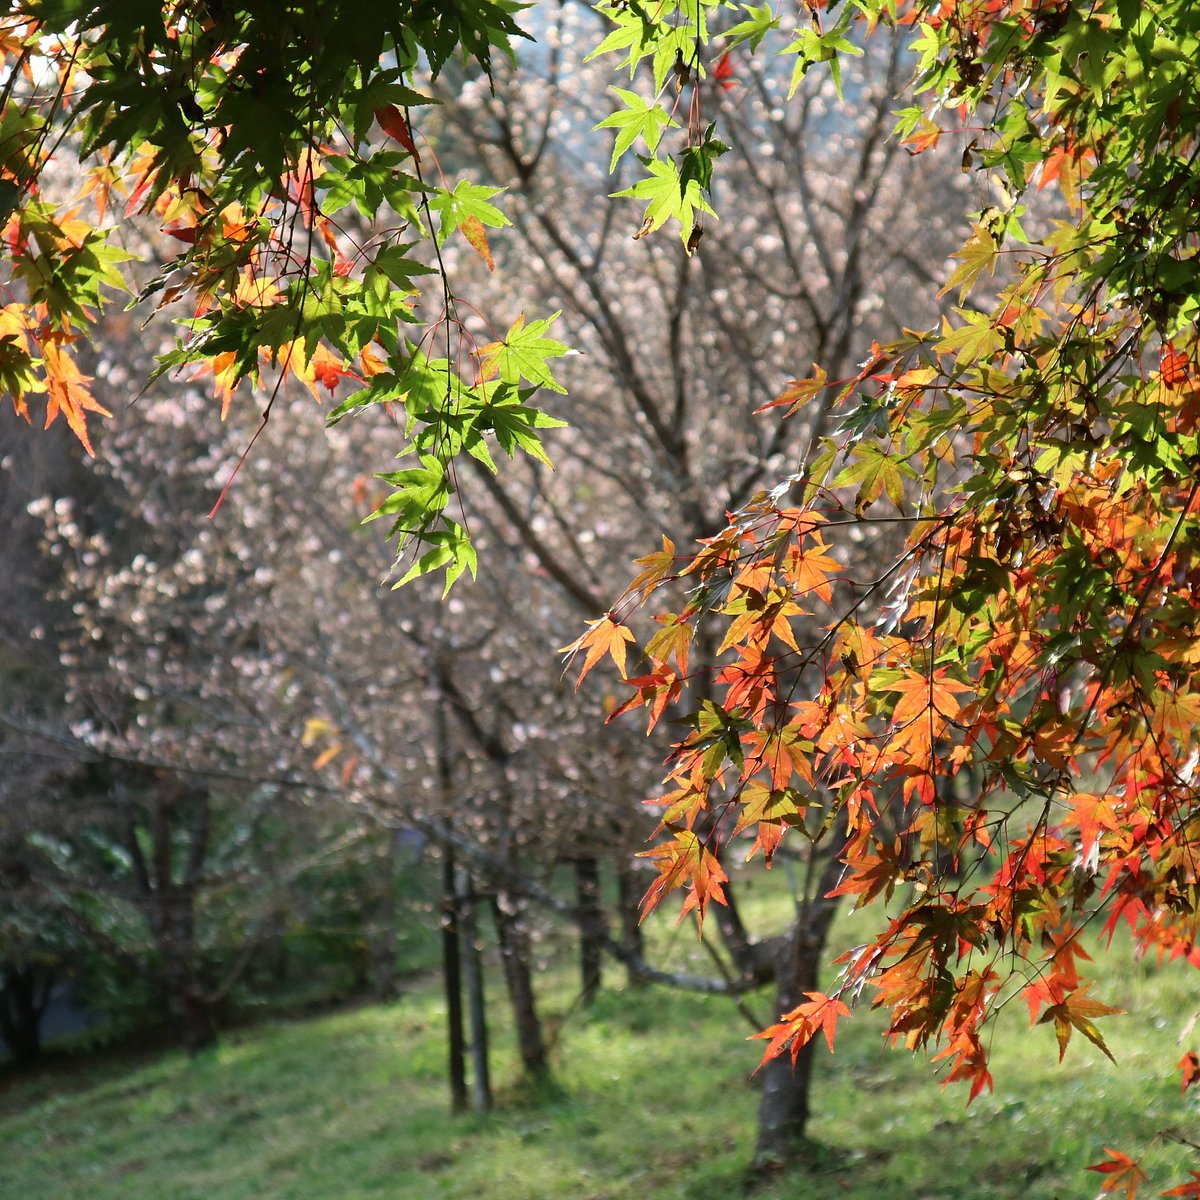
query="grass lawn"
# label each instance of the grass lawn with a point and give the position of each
(655, 1104)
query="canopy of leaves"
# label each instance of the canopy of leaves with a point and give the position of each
(274, 145)
(1034, 640)
(1018, 687)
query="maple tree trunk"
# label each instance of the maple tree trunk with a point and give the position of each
(452, 980)
(514, 953)
(591, 927)
(784, 1108)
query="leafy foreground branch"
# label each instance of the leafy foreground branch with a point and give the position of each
(282, 215)
(1005, 717)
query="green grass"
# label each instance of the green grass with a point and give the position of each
(655, 1104)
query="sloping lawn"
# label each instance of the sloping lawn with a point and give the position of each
(655, 1103)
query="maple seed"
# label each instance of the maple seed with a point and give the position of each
(683, 70)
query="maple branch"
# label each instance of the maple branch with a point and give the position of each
(588, 601)
(670, 447)
(754, 1022)
(794, 137)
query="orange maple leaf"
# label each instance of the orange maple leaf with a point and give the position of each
(685, 861)
(1075, 1011)
(919, 692)
(67, 390)
(672, 641)
(924, 137)
(797, 1028)
(1191, 1188)
(809, 569)
(473, 230)
(1123, 1173)
(1173, 366)
(799, 392)
(655, 691)
(655, 568)
(869, 874)
(327, 369)
(970, 1062)
(1093, 816)
(605, 636)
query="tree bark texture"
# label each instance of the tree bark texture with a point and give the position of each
(385, 956)
(629, 898)
(518, 976)
(472, 964)
(24, 995)
(591, 928)
(785, 1104)
(452, 979)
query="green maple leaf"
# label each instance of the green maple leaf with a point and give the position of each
(420, 495)
(813, 47)
(523, 355)
(974, 340)
(451, 548)
(466, 201)
(640, 119)
(759, 22)
(875, 473)
(636, 33)
(514, 422)
(668, 196)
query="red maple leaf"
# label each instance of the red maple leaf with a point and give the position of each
(393, 122)
(1189, 1066)
(722, 72)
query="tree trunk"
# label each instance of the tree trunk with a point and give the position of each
(784, 1108)
(629, 896)
(24, 994)
(383, 944)
(191, 1009)
(472, 961)
(515, 953)
(452, 978)
(169, 904)
(193, 1016)
(591, 927)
